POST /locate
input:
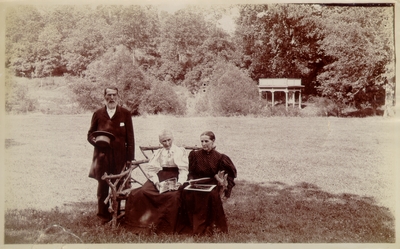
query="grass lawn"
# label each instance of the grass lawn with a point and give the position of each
(300, 180)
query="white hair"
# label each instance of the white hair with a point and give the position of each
(165, 133)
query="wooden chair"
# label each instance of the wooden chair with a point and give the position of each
(120, 187)
(145, 149)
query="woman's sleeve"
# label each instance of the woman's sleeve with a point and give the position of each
(153, 167)
(182, 164)
(230, 169)
(192, 161)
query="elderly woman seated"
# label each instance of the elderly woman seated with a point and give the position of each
(202, 213)
(149, 208)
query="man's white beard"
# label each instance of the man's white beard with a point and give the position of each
(112, 105)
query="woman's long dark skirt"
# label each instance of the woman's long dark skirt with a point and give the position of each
(147, 209)
(202, 213)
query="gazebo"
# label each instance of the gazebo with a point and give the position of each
(288, 86)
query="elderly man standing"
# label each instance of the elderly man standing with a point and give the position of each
(111, 133)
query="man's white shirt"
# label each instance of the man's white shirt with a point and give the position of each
(111, 112)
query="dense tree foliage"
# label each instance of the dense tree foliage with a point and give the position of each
(23, 27)
(279, 41)
(116, 67)
(343, 53)
(359, 42)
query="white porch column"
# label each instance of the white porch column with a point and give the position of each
(293, 97)
(286, 102)
(300, 99)
(273, 99)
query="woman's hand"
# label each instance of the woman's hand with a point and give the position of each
(178, 185)
(184, 185)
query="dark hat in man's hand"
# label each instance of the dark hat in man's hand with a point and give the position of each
(103, 138)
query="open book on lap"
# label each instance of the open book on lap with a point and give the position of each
(194, 184)
(200, 184)
(201, 187)
(168, 185)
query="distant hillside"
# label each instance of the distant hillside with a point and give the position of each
(50, 95)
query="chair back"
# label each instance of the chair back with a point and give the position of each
(146, 149)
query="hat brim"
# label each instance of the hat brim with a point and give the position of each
(103, 138)
(103, 133)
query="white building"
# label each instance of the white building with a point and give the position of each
(289, 86)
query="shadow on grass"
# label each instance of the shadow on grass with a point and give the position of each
(278, 213)
(271, 212)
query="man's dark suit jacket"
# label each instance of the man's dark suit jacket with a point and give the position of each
(122, 149)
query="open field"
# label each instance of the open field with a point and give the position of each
(47, 160)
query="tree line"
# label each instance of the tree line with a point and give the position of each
(343, 53)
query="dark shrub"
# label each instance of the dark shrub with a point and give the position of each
(17, 99)
(88, 95)
(326, 107)
(233, 93)
(162, 99)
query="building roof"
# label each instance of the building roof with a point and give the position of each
(279, 82)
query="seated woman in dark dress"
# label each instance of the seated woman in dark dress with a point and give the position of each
(147, 208)
(202, 212)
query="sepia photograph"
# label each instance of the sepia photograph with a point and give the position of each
(188, 123)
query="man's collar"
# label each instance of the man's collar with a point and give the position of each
(108, 109)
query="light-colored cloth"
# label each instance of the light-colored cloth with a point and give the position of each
(111, 112)
(174, 157)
